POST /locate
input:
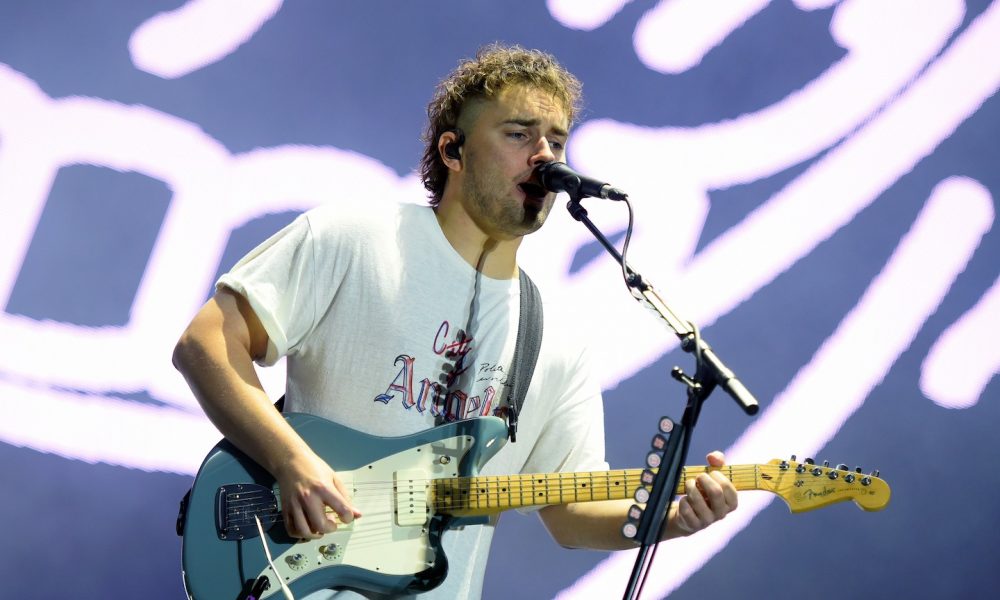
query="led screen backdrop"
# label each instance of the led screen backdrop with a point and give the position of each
(814, 183)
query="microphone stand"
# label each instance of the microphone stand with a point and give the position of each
(710, 372)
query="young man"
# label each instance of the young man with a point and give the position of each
(399, 317)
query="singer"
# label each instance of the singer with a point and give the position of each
(396, 319)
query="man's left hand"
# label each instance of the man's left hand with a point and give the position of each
(709, 498)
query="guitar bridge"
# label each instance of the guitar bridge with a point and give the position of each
(237, 504)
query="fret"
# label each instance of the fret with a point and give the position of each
(493, 494)
(539, 496)
(474, 496)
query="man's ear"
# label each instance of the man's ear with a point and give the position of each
(450, 146)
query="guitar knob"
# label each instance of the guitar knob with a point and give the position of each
(296, 561)
(330, 551)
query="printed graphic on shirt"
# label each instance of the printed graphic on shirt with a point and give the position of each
(444, 396)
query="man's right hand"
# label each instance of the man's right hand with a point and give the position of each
(310, 490)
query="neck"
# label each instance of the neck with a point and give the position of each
(494, 258)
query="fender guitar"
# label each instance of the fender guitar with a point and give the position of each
(411, 489)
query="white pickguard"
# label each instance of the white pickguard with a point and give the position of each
(382, 540)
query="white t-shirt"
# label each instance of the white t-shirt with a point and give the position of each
(377, 314)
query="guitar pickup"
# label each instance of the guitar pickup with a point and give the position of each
(410, 490)
(237, 504)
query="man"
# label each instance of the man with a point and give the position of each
(367, 303)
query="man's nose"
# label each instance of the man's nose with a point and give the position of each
(543, 153)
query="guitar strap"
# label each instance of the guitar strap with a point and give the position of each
(529, 340)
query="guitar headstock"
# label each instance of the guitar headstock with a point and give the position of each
(807, 486)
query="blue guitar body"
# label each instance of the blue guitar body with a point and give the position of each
(394, 548)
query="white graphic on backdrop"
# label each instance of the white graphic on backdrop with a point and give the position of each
(966, 356)
(199, 33)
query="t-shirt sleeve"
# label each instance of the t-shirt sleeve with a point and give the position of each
(573, 436)
(572, 439)
(277, 279)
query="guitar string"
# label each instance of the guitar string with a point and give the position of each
(503, 484)
(477, 501)
(480, 495)
(516, 487)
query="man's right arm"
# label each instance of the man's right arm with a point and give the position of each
(215, 354)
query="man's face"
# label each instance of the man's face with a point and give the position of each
(510, 135)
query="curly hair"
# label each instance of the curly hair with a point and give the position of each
(494, 68)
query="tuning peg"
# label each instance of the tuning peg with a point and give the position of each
(793, 458)
(841, 467)
(801, 468)
(867, 480)
(850, 477)
(810, 461)
(857, 469)
(826, 463)
(783, 465)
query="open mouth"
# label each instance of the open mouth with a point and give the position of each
(533, 191)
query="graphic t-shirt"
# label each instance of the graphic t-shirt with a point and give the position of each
(387, 330)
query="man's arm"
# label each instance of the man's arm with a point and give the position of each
(597, 525)
(215, 354)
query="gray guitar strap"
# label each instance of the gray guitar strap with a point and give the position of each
(529, 340)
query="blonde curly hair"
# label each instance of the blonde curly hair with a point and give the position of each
(494, 68)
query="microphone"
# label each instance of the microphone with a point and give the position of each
(558, 177)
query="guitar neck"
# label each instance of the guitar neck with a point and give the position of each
(487, 495)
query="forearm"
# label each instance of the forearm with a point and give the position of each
(214, 355)
(596, 525)
(708, 498)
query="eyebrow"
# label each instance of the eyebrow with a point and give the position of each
(534, 123)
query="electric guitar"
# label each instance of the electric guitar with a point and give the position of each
(411, 489)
